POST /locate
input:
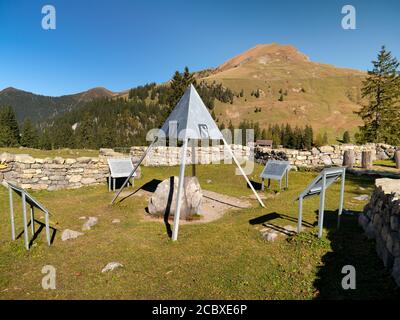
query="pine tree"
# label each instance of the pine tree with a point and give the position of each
(346, 137)
(308, 137)
(325, 139)
(179, 83)
(29, 134)
(264, 134)
(45, 140)
(382, 114)
(9, 131)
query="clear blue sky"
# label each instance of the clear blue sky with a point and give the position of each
(120, 44)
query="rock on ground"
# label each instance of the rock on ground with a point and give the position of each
(68, 234)
(363, 197)
(89, 223)
(116, 221)
(163, 201)
(111, 266)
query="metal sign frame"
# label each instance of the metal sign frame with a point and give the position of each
(114, 175)
(27, 198)
(318, 187)
(264, 175)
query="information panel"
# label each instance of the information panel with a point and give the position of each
(275, 169)
(120, 167)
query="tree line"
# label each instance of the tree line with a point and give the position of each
(301, 138)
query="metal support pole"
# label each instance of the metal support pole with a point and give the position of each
(300, 216)
(287, 179)
(193, 158)
(321, 207)
(32, 222)
(114, 182)
(109, 183)
(12, 214)
(180, 189)
(134, 169)
(269, 183)
(341, 197)
(280, 184)
(242, 172)
(262, 184)
(46, 219)
(25, 221)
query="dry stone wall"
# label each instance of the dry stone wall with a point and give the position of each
(381, 221)
(53, 173)
(170, 156)
(317, 157)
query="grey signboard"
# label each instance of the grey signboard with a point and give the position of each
(33, 203)
(275, 170)
(120, 168)
(318, 187)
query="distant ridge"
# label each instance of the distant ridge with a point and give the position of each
(40, 107)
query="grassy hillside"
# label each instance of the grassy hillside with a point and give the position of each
(313, 93)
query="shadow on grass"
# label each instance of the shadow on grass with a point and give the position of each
(150, 186)
(37, 232)
(350, 247)
(274, 215)
(256, 185)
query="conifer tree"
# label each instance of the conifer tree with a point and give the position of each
(9, 131)
(29, 134)
(346, 137)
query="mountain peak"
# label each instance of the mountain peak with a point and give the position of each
(9, 90)
(97, 92)
(265, 53)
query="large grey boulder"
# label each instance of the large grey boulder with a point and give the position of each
(163, 201)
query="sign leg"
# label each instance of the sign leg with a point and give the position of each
(341, 197)
(12, 215)
(287, 179)
(300, 215)
(32, 222)
(262, 184)
(46, 217)
(25, 221)
(321, 207)
(180, 189)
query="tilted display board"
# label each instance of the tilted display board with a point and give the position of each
(33, 203)
(119, 168)
(275, 170)
(318, 187)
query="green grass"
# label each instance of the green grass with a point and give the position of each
(385, 163)
(224, 259)
(64, 153)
